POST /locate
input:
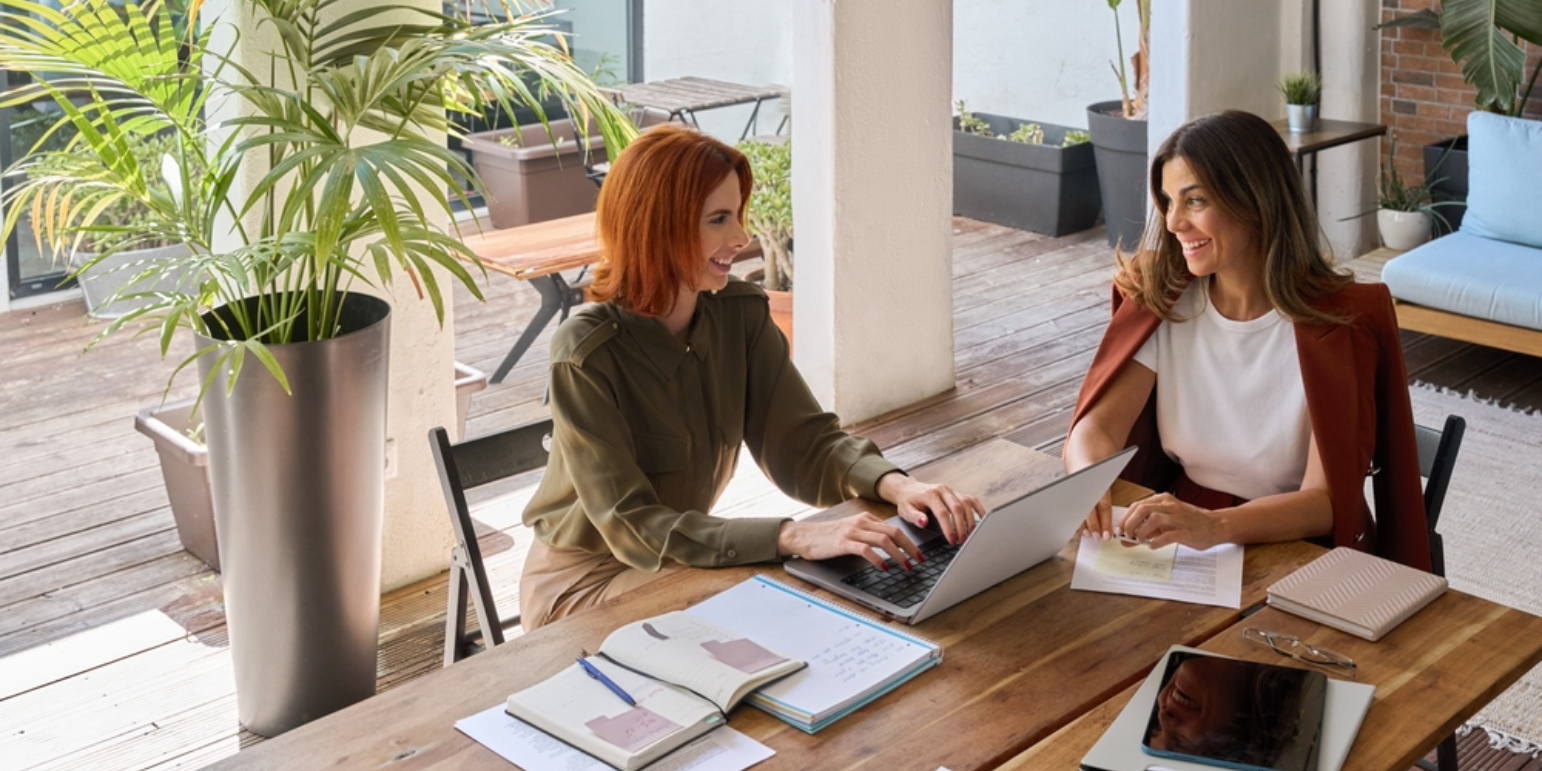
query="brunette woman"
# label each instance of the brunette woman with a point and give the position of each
(1261, 384)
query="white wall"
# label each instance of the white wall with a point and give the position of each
(739, 41)
(1042, 60)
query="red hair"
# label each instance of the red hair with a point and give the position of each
(649, 213)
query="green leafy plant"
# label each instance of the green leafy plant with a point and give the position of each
(125, 223)
(1134, 105)
(326, 172)
(1304, 87)
(1076, 137)
(770, 208)
(1397, 195)
(969, 123)
(1483, 36)
(1028, 134)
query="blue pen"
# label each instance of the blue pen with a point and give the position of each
(595, 673)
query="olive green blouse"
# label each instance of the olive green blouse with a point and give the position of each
(647, 434)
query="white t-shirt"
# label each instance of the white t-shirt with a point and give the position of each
(1231, 408)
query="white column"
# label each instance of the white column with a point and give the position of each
(1351, 72)
(417, 535)
(873, 200)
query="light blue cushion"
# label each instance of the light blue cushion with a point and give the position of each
(1473, 276)
(1504, 167)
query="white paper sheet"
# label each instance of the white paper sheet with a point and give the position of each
(721, 749)
(1209, 577)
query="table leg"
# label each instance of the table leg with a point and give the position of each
(1314, 182)
(754, 121)
(557, 296)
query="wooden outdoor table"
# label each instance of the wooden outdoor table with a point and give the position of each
(1328, 134)
(682, 98)
(1020, 660)
(1432, 673)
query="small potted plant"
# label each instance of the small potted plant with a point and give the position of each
(1031, 176)
(1303, 92)
(1405, 212)
(770, 220)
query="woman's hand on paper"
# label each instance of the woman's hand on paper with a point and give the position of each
(916, 500)
(861, 535)
(1100, 523)
(1162, 519)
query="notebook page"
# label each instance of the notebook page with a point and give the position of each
(848, 656)
(669, 647)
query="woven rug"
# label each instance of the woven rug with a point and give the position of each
(1492, 530)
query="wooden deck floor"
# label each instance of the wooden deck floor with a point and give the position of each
(112, 639)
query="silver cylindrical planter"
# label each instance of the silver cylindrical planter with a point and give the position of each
(1301, 118)
(299, 494)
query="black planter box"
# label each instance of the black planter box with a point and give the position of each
(1452, 173)
(1121, 153)
(1042, 188)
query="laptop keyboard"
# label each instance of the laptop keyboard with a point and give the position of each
(906, 588)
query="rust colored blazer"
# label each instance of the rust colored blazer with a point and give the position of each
(1357, 401)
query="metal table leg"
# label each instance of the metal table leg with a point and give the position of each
(557, 296)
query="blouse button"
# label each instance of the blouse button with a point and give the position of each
(732, 554)
(614, 325)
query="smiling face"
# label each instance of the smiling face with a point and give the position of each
(1198, 703)
(722, 235)
(1212, 241)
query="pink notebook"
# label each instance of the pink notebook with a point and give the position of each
(1355, 592)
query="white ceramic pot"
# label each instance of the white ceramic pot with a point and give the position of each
(1403, 230)
(1301, 118)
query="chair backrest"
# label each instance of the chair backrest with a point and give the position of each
(462, 467)
(1437, 457)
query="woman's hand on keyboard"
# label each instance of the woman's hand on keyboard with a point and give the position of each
(862, 535)
(917, 500)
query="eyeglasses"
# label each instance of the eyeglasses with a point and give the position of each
(1293, 647)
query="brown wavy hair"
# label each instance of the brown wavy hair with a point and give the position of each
(1246, 169)
(649, 211)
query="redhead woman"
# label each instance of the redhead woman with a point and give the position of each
(1261, 384)
(655, 387)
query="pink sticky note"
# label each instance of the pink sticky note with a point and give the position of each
(743, 655)
(633, 729)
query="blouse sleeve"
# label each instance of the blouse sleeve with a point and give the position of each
(593, 445)
(798, 445)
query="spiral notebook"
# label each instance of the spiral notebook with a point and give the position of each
(852, 658)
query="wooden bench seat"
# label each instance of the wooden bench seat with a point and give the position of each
(1419, 318)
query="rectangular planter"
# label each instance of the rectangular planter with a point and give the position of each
(534, 182)
(107, 277)
(1043, 188)
(185, 463)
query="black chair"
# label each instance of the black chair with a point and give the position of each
(1437, 456)
(463, 466)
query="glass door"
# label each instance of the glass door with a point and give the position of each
(30, 269)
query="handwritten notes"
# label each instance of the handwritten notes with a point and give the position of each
(1139, 561)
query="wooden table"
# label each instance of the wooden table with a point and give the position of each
(1020, 661)
(1329, 133)
(682, 98)
(1432, 673)
(538, 253)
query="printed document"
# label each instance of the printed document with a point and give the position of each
(722, 749)
(1209, 577)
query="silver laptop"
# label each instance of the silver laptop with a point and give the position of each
(1010, 539)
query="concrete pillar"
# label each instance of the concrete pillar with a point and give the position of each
(417, 533)
(873, 200)
(1212, 55)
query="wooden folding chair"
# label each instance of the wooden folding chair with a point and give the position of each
(462, 467)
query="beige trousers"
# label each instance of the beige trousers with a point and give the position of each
(558, 582)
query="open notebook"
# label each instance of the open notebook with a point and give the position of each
(684, 674)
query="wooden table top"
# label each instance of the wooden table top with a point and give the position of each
(678, 95)
(1432, 673)
(538, 249)
(1020, 661)
(1329, 133)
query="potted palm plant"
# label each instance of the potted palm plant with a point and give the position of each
(770, 220)
(321, 183)
(1118, 130)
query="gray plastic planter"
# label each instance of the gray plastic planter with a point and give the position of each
(109, 276)
(1121, 150)
(535, 182)
(1042, 188)
(185, 463)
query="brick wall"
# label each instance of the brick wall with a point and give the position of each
(1423, 95)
